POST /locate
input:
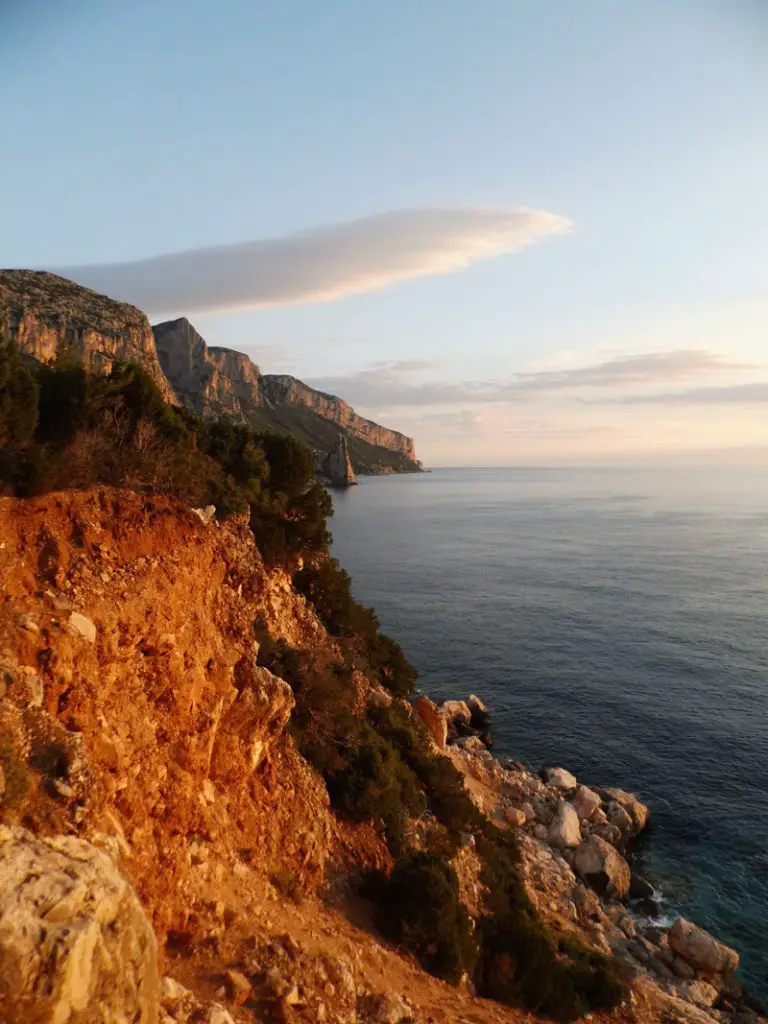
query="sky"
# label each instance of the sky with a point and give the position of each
(521, 232)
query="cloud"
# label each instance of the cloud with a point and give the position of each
(734, 394)
(323, 263)
(392, 385)
(648, 368)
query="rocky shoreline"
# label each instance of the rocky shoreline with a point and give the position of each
(576, 851)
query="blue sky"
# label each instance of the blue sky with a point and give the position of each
(138, 130)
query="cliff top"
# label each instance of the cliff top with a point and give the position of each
(53, 298)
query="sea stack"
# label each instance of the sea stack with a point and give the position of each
(337, 467)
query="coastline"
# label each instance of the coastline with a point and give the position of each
(578, 845)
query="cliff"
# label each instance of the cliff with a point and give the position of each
(212, 381)
(215, 381)
(39, 310)
(281, 389)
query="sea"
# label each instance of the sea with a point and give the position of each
(615, 621)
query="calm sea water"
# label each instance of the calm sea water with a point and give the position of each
(615, 622)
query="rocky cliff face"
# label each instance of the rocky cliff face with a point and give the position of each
(281, 389)
(39, 310)
(212, 381)
(216, 381)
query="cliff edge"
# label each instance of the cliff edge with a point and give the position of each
(40, 311)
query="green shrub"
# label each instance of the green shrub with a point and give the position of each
(442, 783)
(19, 396)
(522, 962)
(420, 909)
(366, 778)
(328, 587)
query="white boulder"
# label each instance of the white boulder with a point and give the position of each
(75, 944)
(560, 778)
(565, 829)
(586, 801)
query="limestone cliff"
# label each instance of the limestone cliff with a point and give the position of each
(39, 310)
(215, 381)
(281, 389)
(212, 381)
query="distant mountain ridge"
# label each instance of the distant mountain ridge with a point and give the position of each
(38, 310)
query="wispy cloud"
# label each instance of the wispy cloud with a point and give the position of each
(393, 385)
(631, 371)
(321, 264)
(733, 394)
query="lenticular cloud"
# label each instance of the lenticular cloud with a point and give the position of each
(321, 264)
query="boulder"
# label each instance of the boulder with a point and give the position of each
(379, 697)
(456, 711)
(586, 801)
(565, 829)
(619, 817)
(515, 816)
(681, 969)
(238, 986)
(640, 888)
(700, 949)
(434, 719)
(636, 810)
(472, 743)
(699, 992)
(598, 863)
(560, 778)
(610, 833)
(479, 711)
(75, 944)
(528, 811)
(387, 1008)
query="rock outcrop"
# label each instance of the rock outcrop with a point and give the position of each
(433, 717)
(75, 945)
(39, 311)
(336, 467)
(212, 381)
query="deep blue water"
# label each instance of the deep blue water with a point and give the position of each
(615, 622)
